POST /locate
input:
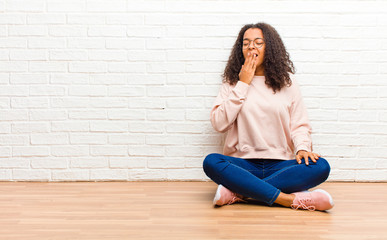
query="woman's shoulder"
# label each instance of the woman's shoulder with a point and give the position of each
(293, 89)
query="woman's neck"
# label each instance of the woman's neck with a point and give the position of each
(259, 71)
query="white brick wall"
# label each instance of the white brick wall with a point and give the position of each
(94, 90)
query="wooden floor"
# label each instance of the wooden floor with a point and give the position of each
(180, 210)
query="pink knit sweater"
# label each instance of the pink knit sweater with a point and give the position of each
(259, 123)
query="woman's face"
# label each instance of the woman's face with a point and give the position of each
(253, 43)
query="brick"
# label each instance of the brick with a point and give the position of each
(111, 79)
(165, 43)
(103, 6)
(46, 43)
(5, 152)
(16, 66)
(66, 6)
(49, 139)
(70, 126)
(37, 115)
(30, 151)
(146, 103)
(164, 140)
(342, 175)
(124, 43)
(66, 102)
(25, 6)
(63, 55)
(166, 91)
(89, 162)
(147, 55)
(127, 67)
(146, 127)
(185, 102)
(88, 114)
(108, 126)
(31, 174)
(86, 43)
(12, 18)
(148, 151)
(69, 78)
(168, 67)
(29, 102)
(30, 127)
(107, 150)
(371, 175)
(126, 114)
(27, 55)
(69, 151)
(185, 174)
(13, 140)
(165, 163)
(70, 175)
(126, 139)
(125, 19)
(110, 55)
(49, 163)
(48, 66)
(184, 127)
(13, 115)
(109, 102)
(44, 18)
(5, 103)
(126, 91)
(27, 30)
(20, 90)
(176, 151)
(106, 31)
(148, 174)
(28, 78)
(41, 90)
(89, 19)
(87, 90)
(125, 162)
(13, 162)
(164, 115)
(87, 67)
(89, 138)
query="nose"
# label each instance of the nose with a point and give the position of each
(251, 45)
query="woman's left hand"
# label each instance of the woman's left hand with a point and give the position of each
(306, 155)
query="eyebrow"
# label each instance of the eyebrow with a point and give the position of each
(253, 39)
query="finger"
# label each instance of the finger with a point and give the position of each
(255, 61)
(251, 58)
(312, 157)
(248, 60)
(298, 159)
(316, 156)
(306, 159)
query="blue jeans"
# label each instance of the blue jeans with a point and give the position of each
(264, 179)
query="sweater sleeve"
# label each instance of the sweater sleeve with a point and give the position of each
(227, 105)
(299, 123)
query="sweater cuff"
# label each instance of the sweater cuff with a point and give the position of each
(303, 147)
(240, 90)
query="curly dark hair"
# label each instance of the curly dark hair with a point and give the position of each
(277, 64)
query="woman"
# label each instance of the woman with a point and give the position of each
(261, 109)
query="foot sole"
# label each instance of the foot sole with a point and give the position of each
(217, 195)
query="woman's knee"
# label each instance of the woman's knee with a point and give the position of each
(324, 168)
(210, 161)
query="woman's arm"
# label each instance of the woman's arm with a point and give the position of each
(228, 105)
(299, 123)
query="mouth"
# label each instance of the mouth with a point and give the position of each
(255, 54)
